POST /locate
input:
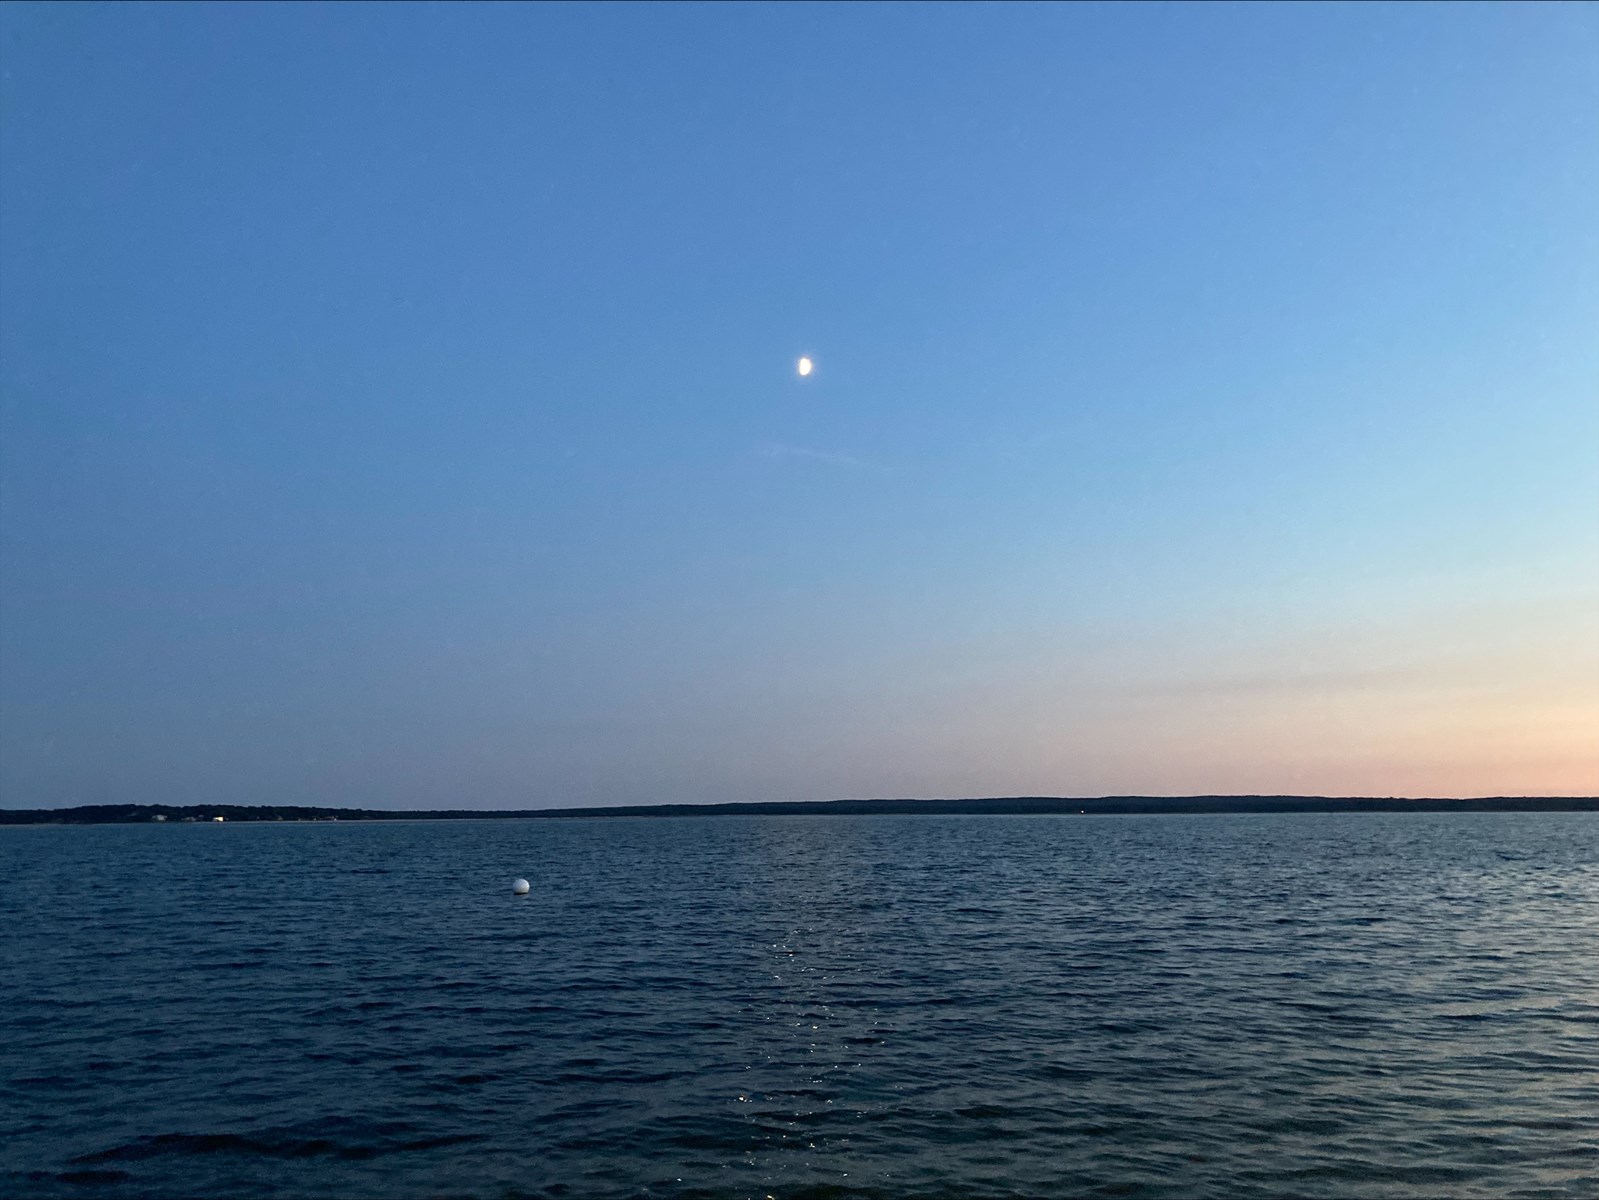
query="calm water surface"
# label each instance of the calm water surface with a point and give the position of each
(1349, 1005)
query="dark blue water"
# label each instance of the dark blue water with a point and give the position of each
(1352, 1005)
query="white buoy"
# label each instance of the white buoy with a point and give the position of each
(521, 887)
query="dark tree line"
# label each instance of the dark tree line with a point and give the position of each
(103, 814)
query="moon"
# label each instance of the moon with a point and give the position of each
(804, 367)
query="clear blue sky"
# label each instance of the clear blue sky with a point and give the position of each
(398, 405)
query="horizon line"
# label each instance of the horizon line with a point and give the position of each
(1130, 804)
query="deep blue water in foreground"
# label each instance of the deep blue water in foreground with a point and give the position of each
(1348, 1005)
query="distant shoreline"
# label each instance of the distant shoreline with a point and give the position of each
(133, 814)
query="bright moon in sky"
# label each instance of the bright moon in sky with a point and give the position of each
(804, 366)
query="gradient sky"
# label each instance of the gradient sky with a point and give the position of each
(398, 404)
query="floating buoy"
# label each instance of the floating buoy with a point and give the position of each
(521, 887)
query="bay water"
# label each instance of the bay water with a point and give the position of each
(1350, 1005)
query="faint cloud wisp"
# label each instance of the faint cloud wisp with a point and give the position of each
(780, 450)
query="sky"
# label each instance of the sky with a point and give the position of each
(399, 404)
